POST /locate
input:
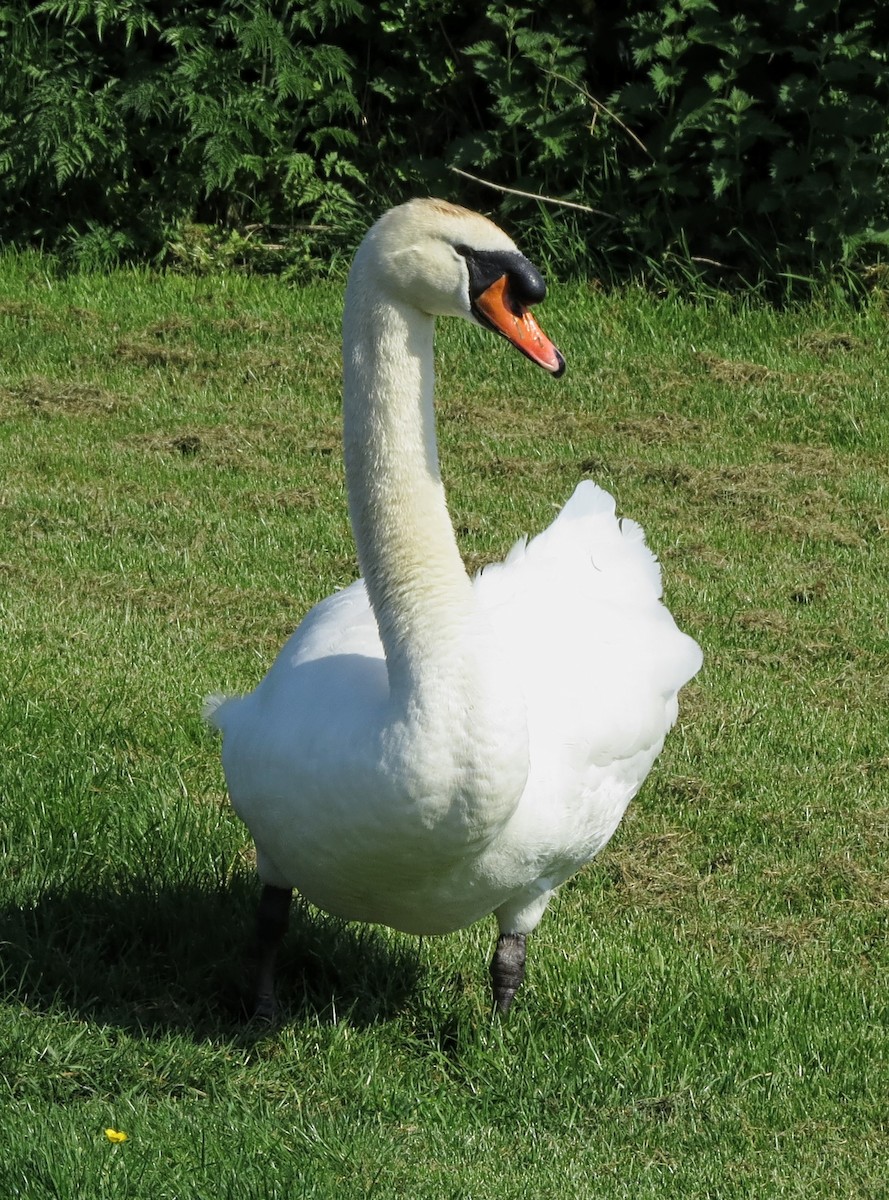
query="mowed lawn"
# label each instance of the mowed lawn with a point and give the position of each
(706, 1008)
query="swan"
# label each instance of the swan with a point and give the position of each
(428, 749)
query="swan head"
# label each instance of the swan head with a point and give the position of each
(447, 261)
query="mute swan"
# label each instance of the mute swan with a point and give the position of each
(428, 749)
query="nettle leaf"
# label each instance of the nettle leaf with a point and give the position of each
(664, 80)
(739, 101)
(671, 47)
(723, 173)
(799, 92)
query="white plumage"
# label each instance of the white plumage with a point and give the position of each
(427, 749)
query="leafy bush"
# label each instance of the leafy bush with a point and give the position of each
(766, 128)
(755, 138)
(129, 116)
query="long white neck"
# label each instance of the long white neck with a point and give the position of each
(407, 552)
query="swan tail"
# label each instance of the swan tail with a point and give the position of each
(587, 545)
(213, 708)
(617, 545)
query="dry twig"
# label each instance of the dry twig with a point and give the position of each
(499, 187)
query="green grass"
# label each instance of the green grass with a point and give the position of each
(706, 1008)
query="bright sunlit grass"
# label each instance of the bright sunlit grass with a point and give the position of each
(706, 1008)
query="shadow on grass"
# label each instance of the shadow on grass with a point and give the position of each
(150, 959)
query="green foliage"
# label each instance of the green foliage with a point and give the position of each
(534, 80)
(751, 140)
(766, 127)
(132, 121)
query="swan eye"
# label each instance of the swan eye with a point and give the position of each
(526, 284)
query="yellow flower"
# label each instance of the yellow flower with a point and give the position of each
(116, 1135)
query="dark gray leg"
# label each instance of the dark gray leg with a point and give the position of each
(507, 969)
(271, 925)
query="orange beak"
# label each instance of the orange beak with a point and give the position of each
(518, 325)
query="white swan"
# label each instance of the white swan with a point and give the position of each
(428, 749)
